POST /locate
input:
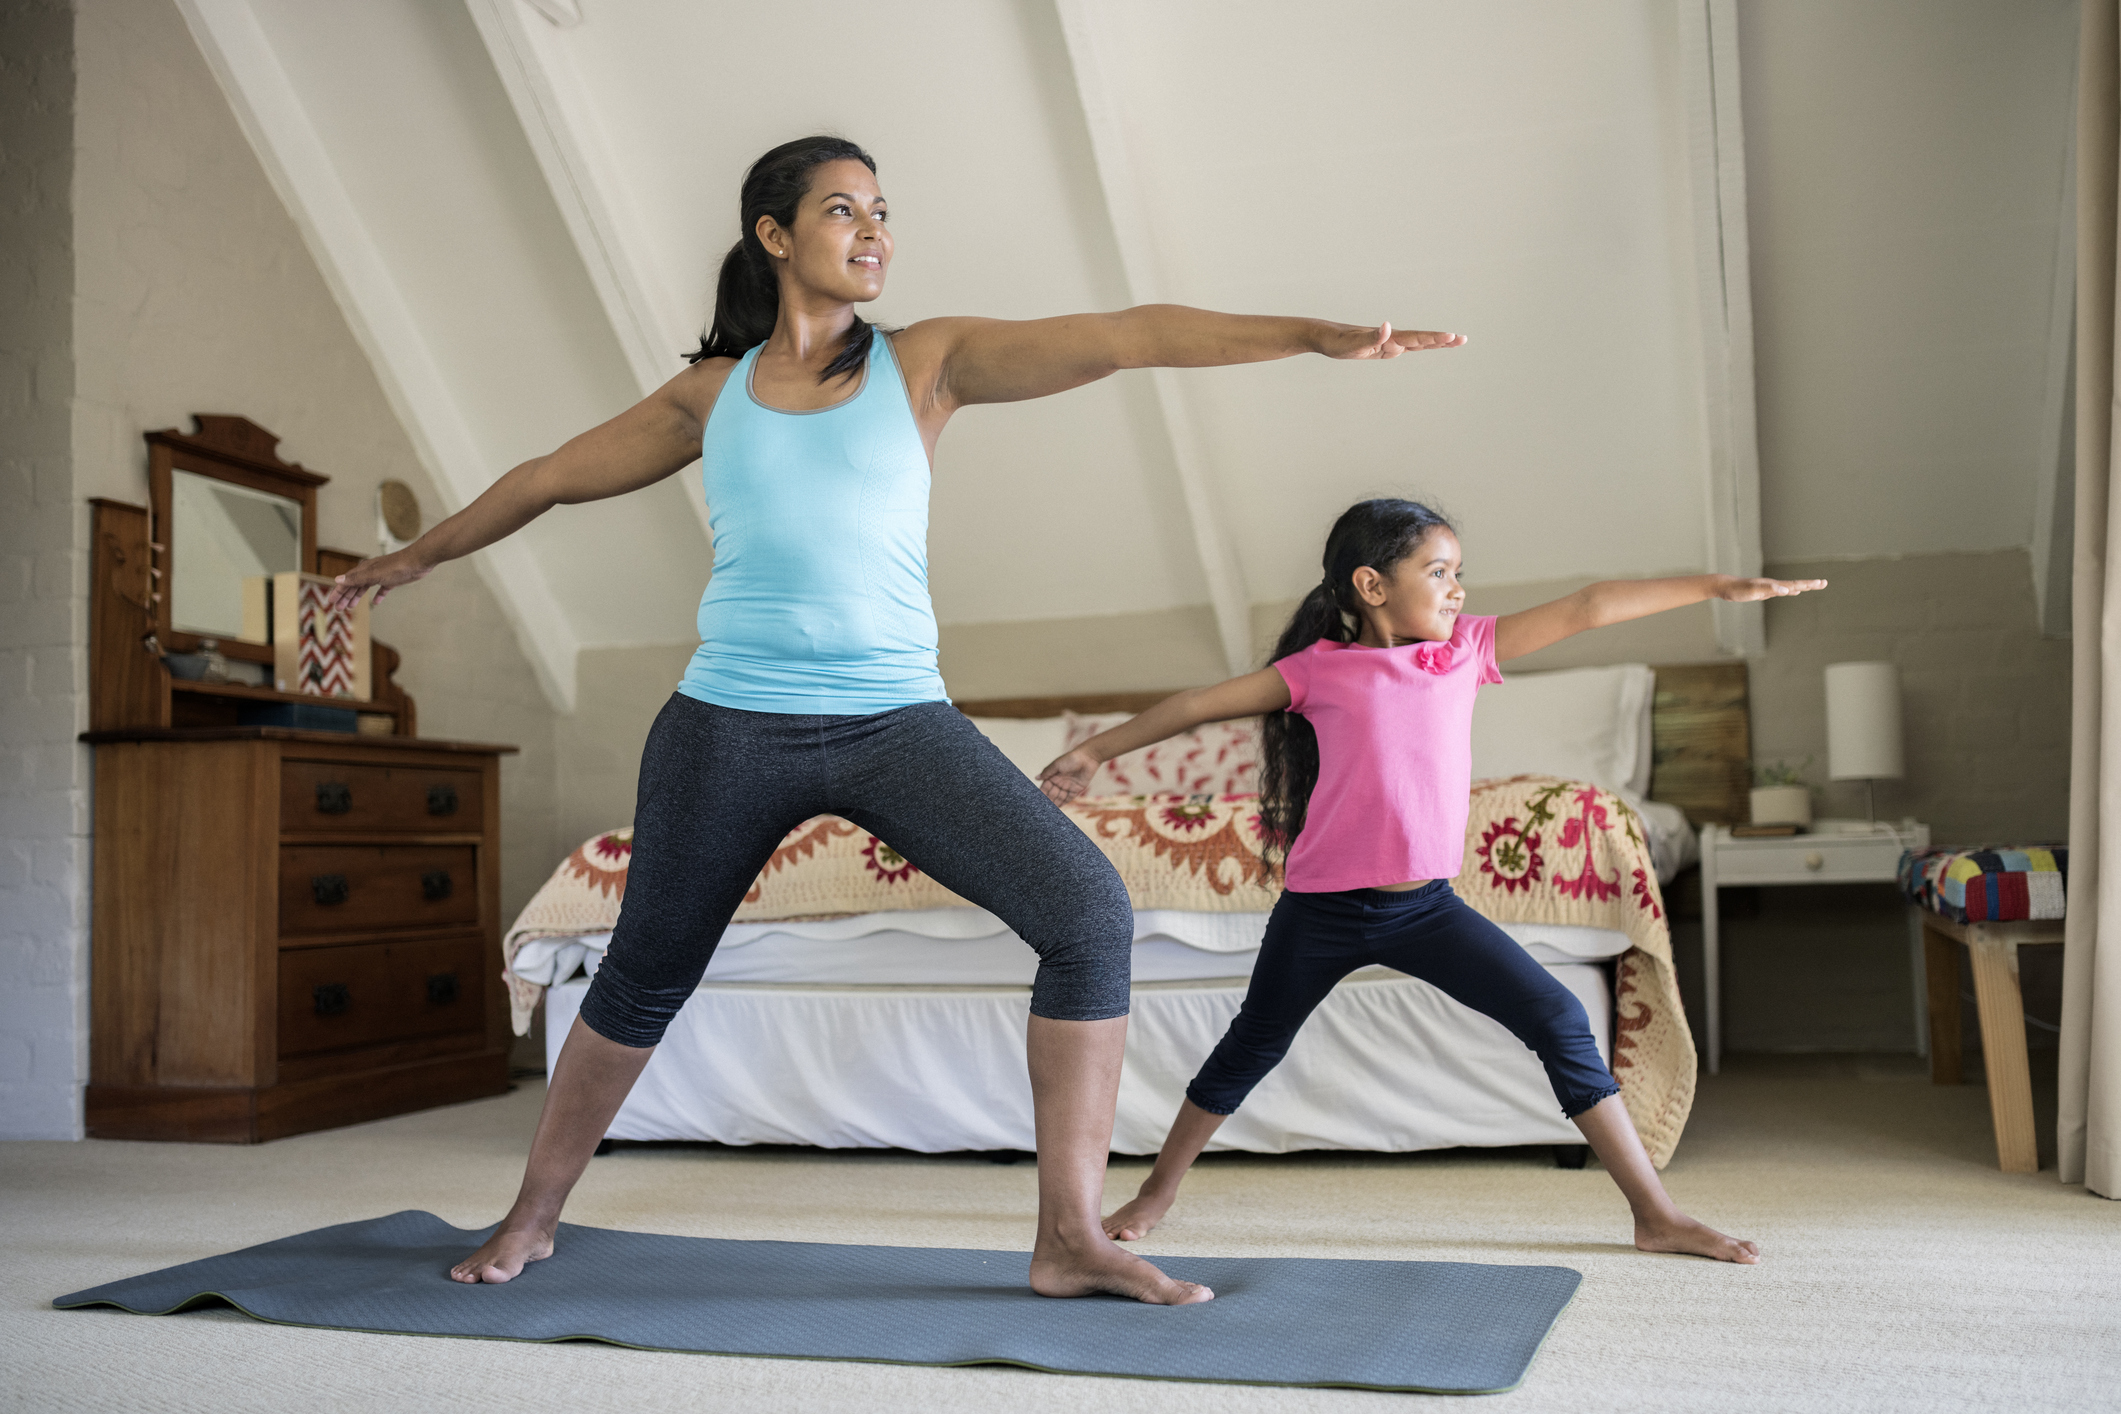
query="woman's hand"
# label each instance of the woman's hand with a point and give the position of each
(1747, 591)
(384, 573)
(1068, 776)
(1354, 341)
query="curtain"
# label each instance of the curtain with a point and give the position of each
(2090, 1121)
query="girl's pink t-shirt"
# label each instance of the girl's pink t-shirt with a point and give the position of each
(1395, 757)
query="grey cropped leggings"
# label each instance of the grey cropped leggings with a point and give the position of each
(720, 788)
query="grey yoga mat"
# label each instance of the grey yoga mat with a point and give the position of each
(1438, 1327)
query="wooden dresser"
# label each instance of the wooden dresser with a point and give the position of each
(293, 929)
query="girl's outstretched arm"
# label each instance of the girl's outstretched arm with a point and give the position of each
(1005, 361)
(1253, 695)
(1615, 601)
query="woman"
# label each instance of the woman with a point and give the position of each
(815, 689)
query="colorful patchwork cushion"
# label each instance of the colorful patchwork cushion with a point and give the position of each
(1988, 885)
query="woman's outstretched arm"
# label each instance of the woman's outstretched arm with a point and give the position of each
(1615, 601)
(1004, 361)
(647, 442)
(1252, 695)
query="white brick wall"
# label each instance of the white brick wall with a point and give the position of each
(44, 773)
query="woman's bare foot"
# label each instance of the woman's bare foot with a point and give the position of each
(505, 1254)
(1063, 1268)
(1681, 1233)
(1138, 1218)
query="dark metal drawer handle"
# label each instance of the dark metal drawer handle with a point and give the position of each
(327, 889)
(331, 998)
(435, 885)
(334, 798)
(441, 800)
(442, 989)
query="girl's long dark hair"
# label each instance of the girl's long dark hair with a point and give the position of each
(747, 296)
(1379, 534)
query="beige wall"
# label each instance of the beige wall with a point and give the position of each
(1905, 165)
(196, 294)
(1985, 699)
(618, 692)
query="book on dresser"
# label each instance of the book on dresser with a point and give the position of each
(292, 929)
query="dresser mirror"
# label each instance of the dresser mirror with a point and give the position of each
(227, 515)
(232, 538)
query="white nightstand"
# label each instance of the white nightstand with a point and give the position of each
(1842, 852)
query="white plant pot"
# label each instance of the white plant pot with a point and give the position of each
(1782, 805)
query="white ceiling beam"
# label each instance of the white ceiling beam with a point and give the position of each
(564, 14)
(1708, 59)
(295, 159)
(557, 114)
(1117, 173)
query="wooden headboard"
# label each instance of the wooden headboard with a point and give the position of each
(1701, 739)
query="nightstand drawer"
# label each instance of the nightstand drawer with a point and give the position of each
(1808, 859)
(367, 994)
(346, 888)
(318, 796)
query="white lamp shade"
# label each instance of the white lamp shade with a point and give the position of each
(1863, 721)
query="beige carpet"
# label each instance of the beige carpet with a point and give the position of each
(1902, 1271)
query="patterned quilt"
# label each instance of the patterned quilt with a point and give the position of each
(1538, 850)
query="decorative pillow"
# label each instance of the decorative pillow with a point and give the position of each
(1221, 758)
(1581, 724)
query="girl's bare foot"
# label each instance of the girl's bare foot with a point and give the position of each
(505, 1254)
(1096, 1267)
(1137, 1219)
(1681, 1233)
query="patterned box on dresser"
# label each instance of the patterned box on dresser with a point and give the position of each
(318, 651)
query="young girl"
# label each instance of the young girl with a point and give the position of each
(1365, 784)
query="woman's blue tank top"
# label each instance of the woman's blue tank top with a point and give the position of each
(819, 599)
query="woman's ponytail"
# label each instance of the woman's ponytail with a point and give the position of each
(1378, 534)
(747, 303)
(747, 293)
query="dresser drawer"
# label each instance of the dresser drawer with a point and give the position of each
(345, 888)
(1807, 859)
(367, 994)
(317, 796)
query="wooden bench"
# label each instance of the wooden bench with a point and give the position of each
(1994, 950)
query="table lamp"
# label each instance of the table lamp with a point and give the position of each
(1863, 726)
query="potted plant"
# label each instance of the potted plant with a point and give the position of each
(1780, 796)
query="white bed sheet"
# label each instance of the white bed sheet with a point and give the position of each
(1386, 1063)
(969, 947)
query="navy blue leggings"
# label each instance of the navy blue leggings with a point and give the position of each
(721, 787)
(1314, 940)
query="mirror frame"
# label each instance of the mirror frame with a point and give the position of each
(232, 449)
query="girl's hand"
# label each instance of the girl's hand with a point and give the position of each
(1353, 341)
(1746, 591)
(1068, 776)
(385, 573)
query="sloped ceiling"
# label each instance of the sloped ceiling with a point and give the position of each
(522, 208)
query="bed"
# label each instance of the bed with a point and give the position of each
(855, 1003)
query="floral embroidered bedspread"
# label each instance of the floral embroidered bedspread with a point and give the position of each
(1538, 850)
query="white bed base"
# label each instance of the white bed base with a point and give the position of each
(1387, 1063)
